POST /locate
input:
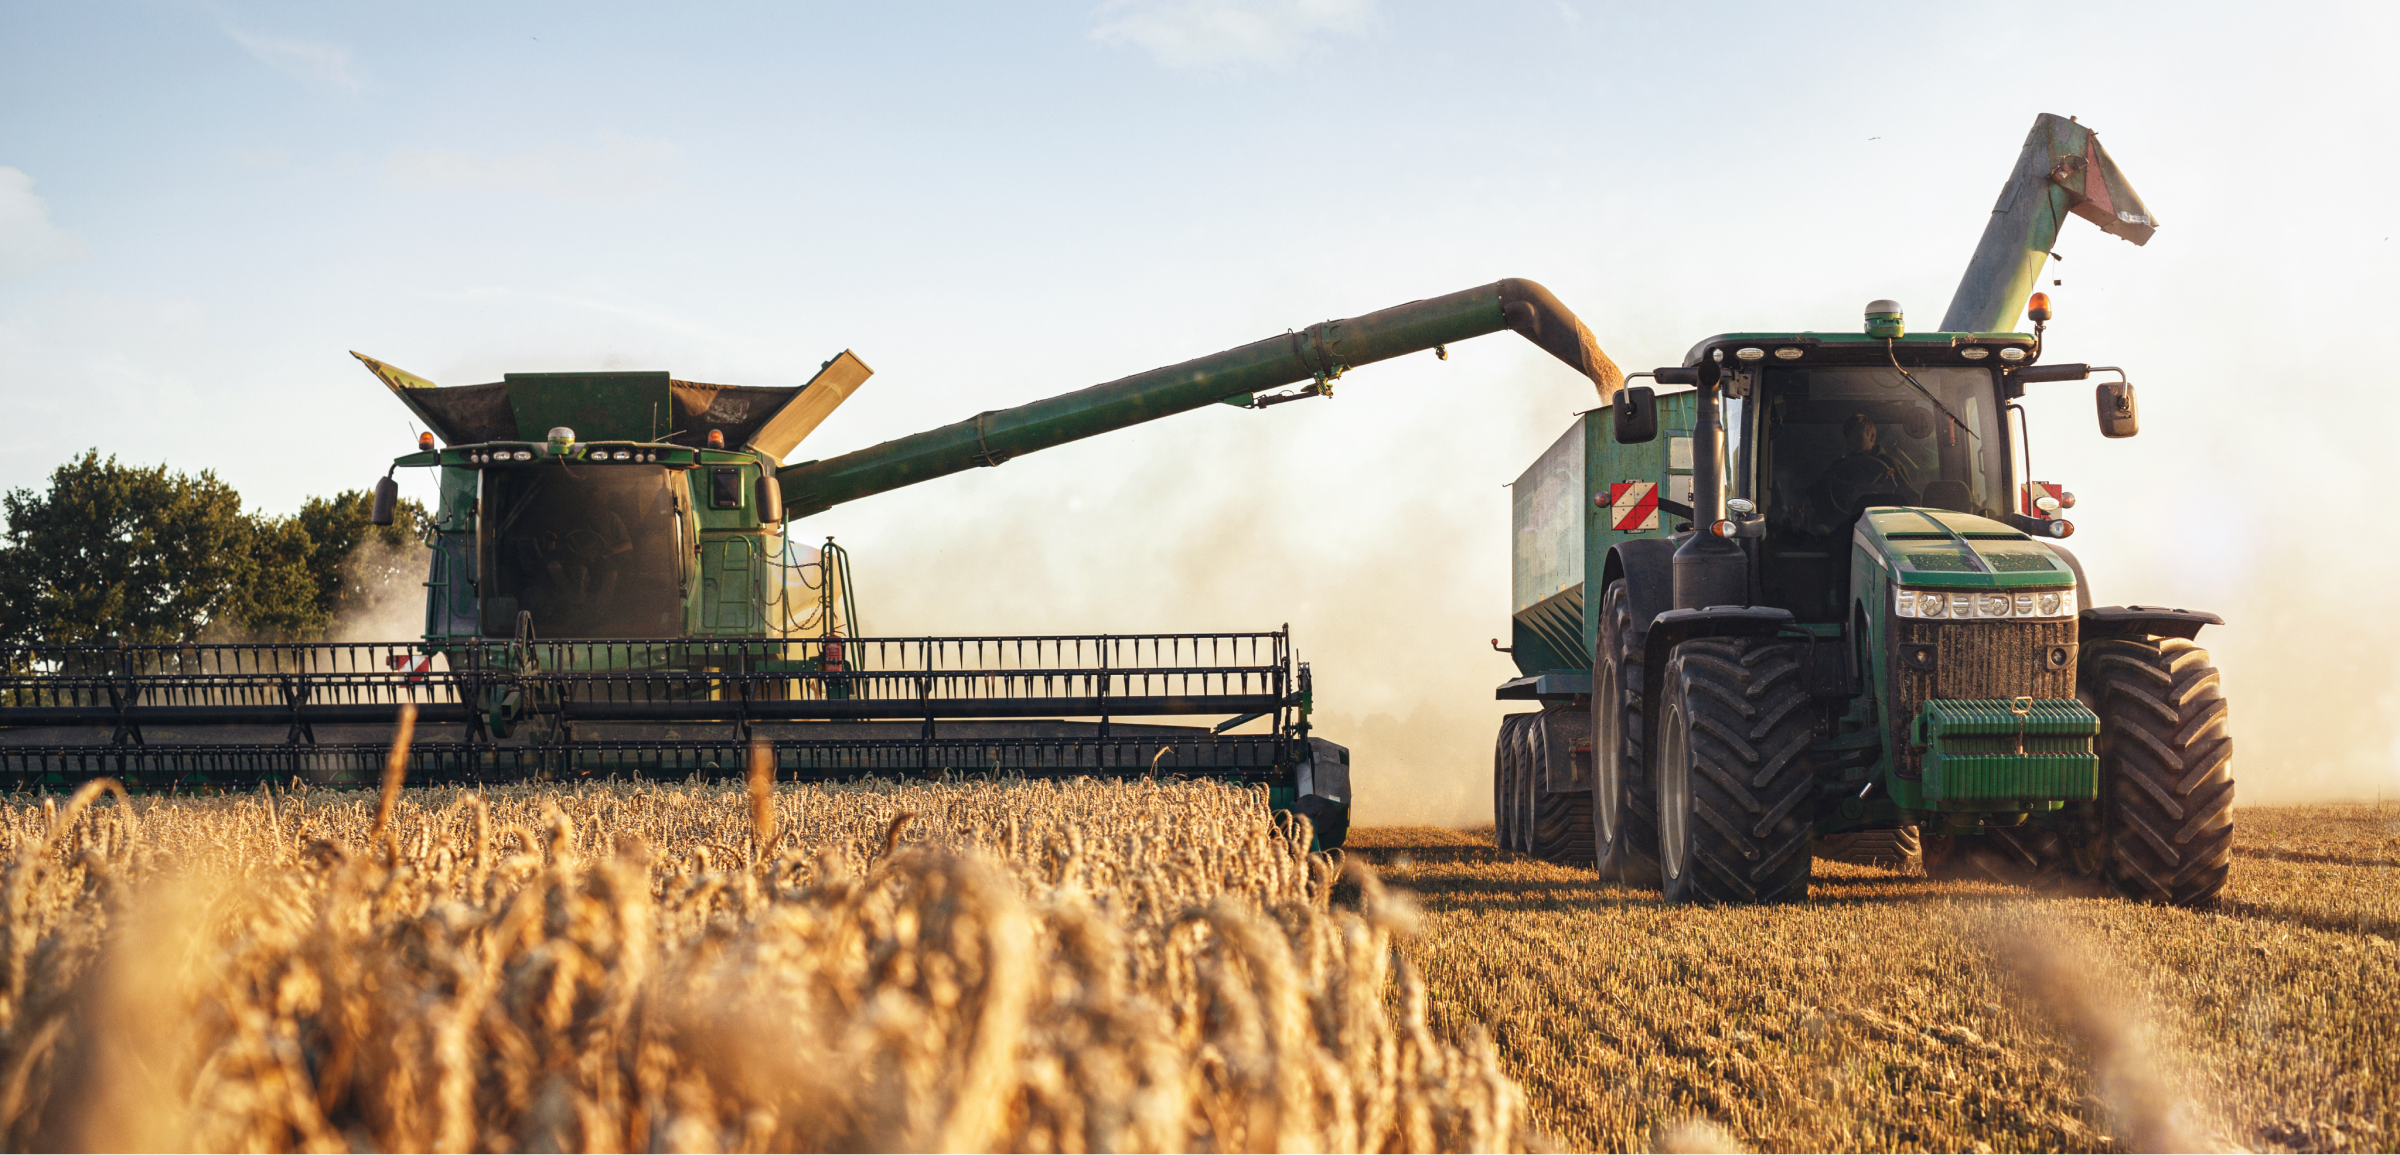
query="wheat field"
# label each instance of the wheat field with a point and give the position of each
(1138, 966)
(878, 966)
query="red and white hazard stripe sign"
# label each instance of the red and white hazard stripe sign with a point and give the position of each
(1633, 505)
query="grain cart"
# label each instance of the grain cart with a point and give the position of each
(615, 588)
(1820, 596)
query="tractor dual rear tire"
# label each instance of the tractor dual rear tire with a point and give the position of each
(1624, 809)
(1735, 796)
(2166, 768)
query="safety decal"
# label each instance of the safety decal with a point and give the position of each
(1633, 505)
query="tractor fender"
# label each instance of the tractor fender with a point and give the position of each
(2141, 621)
(1675, 627)
(2083, 585)
(1647, 565)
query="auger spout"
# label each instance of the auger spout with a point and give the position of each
(1317, 354)
(2062, 169)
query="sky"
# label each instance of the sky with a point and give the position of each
(205, 206)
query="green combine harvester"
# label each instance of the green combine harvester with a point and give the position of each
(1819, 603)
(614, 588)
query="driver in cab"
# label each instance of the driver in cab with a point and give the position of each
(1863, 476)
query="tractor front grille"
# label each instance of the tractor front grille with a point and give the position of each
(1974, 660)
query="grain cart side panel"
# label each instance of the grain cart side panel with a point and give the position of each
(1547, 563)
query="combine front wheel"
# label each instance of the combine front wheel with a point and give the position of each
(2166, 768)
(1733, 792)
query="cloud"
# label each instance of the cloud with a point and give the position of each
(614, 168)
(311, 62)
(29, 243)
(1228, 33)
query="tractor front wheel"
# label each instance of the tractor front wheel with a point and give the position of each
(2166, 768)
(1734, 794)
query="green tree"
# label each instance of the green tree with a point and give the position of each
(351, 558)
(118, 553)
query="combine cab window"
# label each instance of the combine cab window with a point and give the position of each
(589, 551)
(1832, 442)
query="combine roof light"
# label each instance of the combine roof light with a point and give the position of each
(425, 442)
(1788, 353)
(1751, 354)
(1972, 353)
(2037, 308)
(716, 439)
(561, 440)
(2012, 354)
(524, 455)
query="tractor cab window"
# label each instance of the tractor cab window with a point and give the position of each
(1829, 443)
(590, 551)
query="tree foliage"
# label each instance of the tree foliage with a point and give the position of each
(115, 553)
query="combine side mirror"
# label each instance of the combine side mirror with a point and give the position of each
(2119, 416)
(387, 498)
(770, 499)
(1636, 415)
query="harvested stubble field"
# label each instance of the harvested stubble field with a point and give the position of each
(1896, 1012)
(1143, 966)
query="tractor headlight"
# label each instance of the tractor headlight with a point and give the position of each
(1983, 605)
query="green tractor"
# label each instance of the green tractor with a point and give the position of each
(1818, 605)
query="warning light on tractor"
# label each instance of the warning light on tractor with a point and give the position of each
(716, 439)
(425, 442)
(2037, 308)
(561, 440)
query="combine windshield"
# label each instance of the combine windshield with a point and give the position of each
(590, 551)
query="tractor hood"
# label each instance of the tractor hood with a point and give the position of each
(1930, 548)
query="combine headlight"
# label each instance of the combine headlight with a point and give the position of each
(523, 455)
(1788, 353)
(1751, 354)
(2012, 354)
(1972, 353)
(1983, 605)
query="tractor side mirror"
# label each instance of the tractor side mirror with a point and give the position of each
(387, 498)
(770, 498)
(1636, 415)
(2119, 416)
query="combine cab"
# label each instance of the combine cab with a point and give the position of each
(1818, 603)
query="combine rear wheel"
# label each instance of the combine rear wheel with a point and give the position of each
(1624, 811)
(1733, 792)
(1562, 810)
(2166, 768)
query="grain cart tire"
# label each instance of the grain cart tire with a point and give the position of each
(1896, 849)
(1562, 818)
(1624, 812)
(2166, 768)
(1504, 782)
(2009, 856)
(1734, 793)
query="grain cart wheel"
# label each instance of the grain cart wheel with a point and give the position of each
(1562, 810)
(1734, 794)
(1896, 849)
(1521, 786)
(1624, 811)
(1504, 781)
(2166, 768)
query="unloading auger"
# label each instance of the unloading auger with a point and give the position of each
(613, 588)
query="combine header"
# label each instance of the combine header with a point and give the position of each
(1832, 609)
(613, 588)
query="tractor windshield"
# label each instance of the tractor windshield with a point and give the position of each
(590, 551)
(1833, 441)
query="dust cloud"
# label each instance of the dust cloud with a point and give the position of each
(384, 588)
